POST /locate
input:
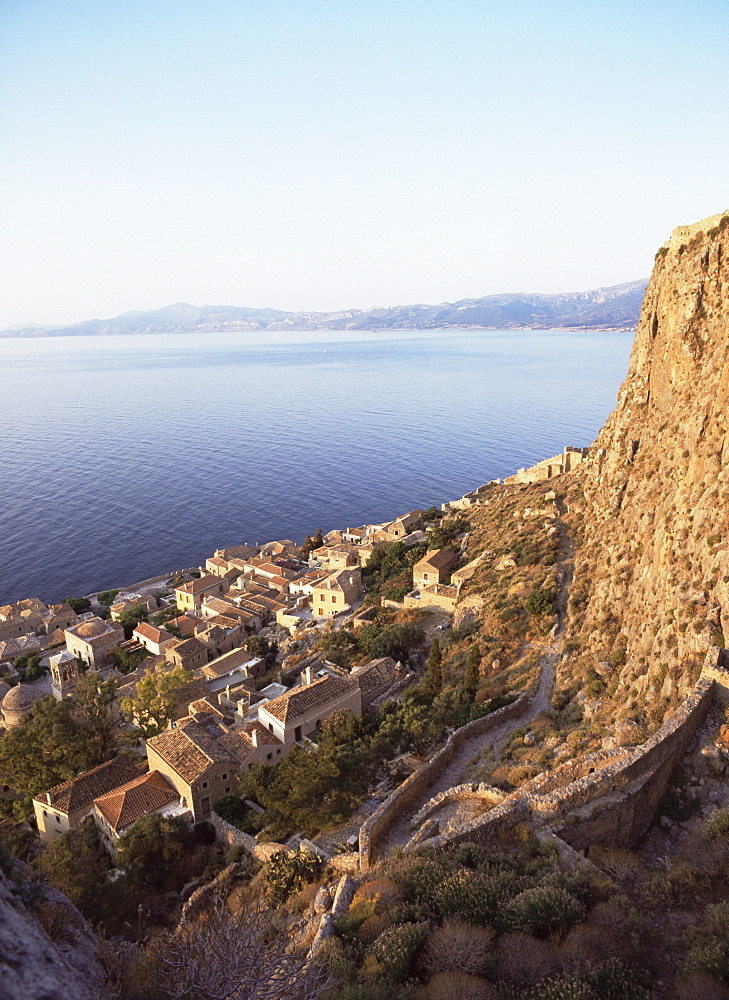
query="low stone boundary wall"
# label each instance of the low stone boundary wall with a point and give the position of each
(374, 829)
(472, 790)
(230, 835)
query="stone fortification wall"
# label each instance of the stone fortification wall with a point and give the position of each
(550, 467)
(613, 803)
(684, 234)
(375, 828)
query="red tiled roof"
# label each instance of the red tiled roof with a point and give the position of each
(137, 798)
(81, 791)
(189, 749)
(302, 701)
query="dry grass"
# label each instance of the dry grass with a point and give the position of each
(383, 890)
(458, 986)
(700, 986)
(523, 960)
(458, 947)
(371, 928)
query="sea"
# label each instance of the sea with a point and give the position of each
(127, 457)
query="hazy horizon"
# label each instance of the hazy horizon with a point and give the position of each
(316, 156)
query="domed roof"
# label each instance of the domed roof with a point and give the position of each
(89, 629)
(18, 699)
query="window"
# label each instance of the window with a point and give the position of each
(205, 784)
(225, 777)
(227, 789)
(58, 819)
(278, 751)
(45, 813)
(334, 598)
(269, 756)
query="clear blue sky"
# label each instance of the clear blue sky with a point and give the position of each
(318, 154)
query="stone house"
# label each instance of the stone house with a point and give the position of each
(336, 593)
(250, 621)
(434, 567)
(301, 711)
(93, 641)
(60, 616)
(154, 639)
(433, 595)
(333, 557)
(201, 759)
(232, 668)
(116, 811)
(189, 596)
(186, 653)
(375, 677)
(65, 806)
(23, 618)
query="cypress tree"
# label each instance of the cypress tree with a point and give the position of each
(434, 675)
(472, 671)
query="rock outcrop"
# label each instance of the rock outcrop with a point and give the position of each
(36, 966)
(651, 584)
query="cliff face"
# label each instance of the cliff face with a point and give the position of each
(34, 966)
(651, 585)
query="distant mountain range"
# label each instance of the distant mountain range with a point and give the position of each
(614, 308)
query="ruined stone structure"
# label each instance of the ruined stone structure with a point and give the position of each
(568, 461)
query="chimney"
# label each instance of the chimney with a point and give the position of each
(308, 675)
(254, 736)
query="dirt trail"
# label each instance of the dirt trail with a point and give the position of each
(401, 832)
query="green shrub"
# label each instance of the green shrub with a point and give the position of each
(288, 873)
(718, 824)
(544, 909)
(395, 947)
(540, 602)
(233, 810)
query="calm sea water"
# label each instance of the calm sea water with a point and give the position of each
(125, 457)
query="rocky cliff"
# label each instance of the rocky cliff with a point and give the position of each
(651, 584)
(47, 950)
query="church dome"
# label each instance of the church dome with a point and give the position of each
(90, 629)
(18, 699)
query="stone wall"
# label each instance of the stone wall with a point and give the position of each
(230, 835)
(375, 828)
(613, 803)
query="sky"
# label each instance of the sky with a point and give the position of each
(325, 154)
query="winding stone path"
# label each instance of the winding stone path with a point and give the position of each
(400, 832)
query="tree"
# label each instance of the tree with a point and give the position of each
(153, 851)
(95, 708)
(77, 865)
(107, 596)
(154, 704)
(267, 649)
(128, 661)
(434, 674)
(77, 604)
(48, 747)
(473, 671)
(130, 618)
(222, 955)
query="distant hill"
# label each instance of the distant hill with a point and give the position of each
(614, 308)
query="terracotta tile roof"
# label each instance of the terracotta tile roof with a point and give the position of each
(190, 749)
(196, 688)
(339, 580)
(437, 559)
(225, 622)
(187, 647)
(137, 798)
(375, 675)
(228, 662)
(151, 632)
(307, 699)
(80, 792)
(200, 584)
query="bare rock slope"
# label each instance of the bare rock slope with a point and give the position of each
(33, 966)
(651, 586)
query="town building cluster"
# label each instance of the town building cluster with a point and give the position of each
(231, 714)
